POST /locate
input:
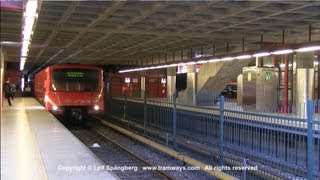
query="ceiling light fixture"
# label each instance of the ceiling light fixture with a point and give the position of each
(202, 62)
(213, 60)
(307, 49)
(283, 51)
(29, 18)
(302, 48)
(229, 58)
(261, 54)
(245, 56)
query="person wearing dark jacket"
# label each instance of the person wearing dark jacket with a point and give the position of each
(7, 91)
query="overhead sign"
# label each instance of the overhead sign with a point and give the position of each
(127, 80)
(184, 68)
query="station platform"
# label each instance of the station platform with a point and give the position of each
(35, 145)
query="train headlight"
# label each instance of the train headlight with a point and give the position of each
(96, 107)
(54, 107)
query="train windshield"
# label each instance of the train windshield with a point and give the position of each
(75, 80)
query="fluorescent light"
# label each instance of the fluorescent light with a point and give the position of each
(10, 43)
(28, 25)
(24, 47)
(306, 49)
(29, 17)
(227, 58)
(22, 63)
(316, 63)
(201, 62)
(162, 66)
(25, 42)
(24, 52)
(285, 51)
(246, 56)
(172, 65)
(31, 8)
(261, 54)
(213, 60)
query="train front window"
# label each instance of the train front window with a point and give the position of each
(75, 80)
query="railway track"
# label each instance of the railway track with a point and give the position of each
(159, 173)
(118, 149)
(201, 151)
(118, 159)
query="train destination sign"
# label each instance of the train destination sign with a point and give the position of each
(73, 74)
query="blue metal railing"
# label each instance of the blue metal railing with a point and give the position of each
(287, 144)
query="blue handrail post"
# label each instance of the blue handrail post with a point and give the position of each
(174, 119)
(310, 148)
(125, 105)
(144, 113)
(221, 129)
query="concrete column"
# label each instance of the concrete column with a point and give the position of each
(304, 81)
(240, 89)
(188, 96)
(1, 79)
(258, 62)
(143, 87)
(191, 84)
(171, 81)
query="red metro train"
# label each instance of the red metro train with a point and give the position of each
(72, 91)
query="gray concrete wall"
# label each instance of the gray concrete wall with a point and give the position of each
(207, 71)
(215, 76)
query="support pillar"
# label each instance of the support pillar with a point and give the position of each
(191, 84)
(143, 87)
(1, 79)
(188, 96)
(285, 83)
(240, 90)
(259, 62)
(305, 82)
(171, 82)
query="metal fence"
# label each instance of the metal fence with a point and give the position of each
(285, 144)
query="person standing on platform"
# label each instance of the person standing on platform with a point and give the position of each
(7, 91)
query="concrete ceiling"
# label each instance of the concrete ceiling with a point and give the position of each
(122, 32)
